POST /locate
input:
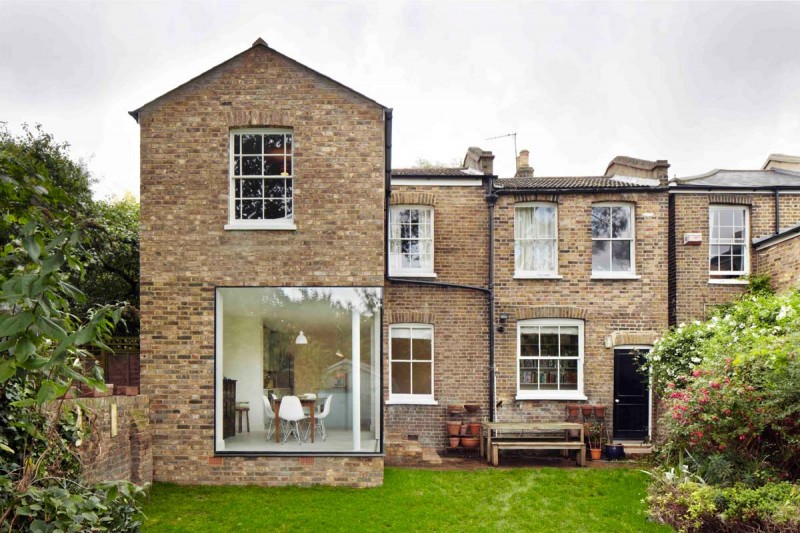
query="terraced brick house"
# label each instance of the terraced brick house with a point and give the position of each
(282, 257)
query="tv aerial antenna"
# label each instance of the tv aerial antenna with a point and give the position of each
(514, 135)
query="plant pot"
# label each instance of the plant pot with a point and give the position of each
(600, 411)
(614, 452)
(454, 442)
(586, 410)
(469, 442)
(472, 407)
(452, 428)
(131, 391)
(595, 453)
(452, 408)
(474, 429)
(572, 411)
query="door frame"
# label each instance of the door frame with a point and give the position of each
(647, 347)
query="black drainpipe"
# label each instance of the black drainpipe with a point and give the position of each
(777, 211)
(387, 185)
(491, 200)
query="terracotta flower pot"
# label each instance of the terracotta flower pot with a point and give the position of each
(472, 407)
(452, 428)
(454, 442)
(599, 411)
(469, 442)
(596, 453)
(474, 429)
(572, 411)
(586, 410)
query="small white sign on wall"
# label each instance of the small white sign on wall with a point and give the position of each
(692, 239)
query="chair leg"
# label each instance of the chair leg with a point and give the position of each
(324, 433)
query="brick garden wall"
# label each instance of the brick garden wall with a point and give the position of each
(631, 311)
(186, 252)
(128, 455)
(781, 262)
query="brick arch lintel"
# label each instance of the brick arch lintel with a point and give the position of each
(258, 118)
(548, 198)
(412, 198)
(634, 338)
(735, 199)
(409, 317)
(552, 311)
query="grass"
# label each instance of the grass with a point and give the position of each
(519, 499)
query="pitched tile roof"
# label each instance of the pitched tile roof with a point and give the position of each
(642, 164)
(576, 182)
(776, 177)
(436, 172)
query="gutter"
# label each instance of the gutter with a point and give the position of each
(767, 188)
(578, 190)
(491, 200)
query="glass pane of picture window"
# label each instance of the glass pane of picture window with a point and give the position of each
(275, 188)
(621, 227)
(274, 209)
(601, 222)
(251, 188)
(421, 378)
(273, 166)
(621, 256)
(401, 378)
(601, 256)
(274, 144)
(251, 166)
(252, 209)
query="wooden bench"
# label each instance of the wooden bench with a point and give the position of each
(538, 445)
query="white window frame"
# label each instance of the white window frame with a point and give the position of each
(261, 224)
(424, 271)
(617, 274)
(534, 274)
(718, 275)
(577, 394)
(413, 399)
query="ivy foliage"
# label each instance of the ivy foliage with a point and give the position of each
(44, 353)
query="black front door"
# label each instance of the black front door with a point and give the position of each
(631, 395)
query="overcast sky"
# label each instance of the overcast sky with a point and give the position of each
(705, 85)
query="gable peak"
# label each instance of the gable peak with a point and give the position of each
(260, 42)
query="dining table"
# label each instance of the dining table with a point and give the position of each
(311, 403)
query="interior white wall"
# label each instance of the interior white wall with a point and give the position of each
(243, 360)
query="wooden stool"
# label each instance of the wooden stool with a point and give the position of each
(246, 410)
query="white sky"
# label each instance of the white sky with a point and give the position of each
(705, 85)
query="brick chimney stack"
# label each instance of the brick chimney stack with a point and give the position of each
(524, 169)
(480, 160)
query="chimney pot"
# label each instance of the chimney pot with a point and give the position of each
(524, 169)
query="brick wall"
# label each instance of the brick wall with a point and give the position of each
(694, 295)
(459, 317)
(781, 261)
(186, 252)
(626, 310)
(128, 455)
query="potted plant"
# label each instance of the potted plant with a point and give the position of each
(594, 432)
(453, 428)
(586, 410)
(599, 411)
(572, 412)
(614, 451)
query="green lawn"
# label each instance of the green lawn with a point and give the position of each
(519, 499)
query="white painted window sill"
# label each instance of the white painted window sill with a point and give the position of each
(615, 276)
(559, 396)
(274, 226)
(411, 401)
(533, 275)
(728, 282)
(412, 274)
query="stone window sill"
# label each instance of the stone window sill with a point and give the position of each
(271, 226)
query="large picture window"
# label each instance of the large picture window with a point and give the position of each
(411, 241)
(535, 240)
(303, 365)
(612, 240)
(261, 178)
(727, 244)
(550, 359)
(411, 363)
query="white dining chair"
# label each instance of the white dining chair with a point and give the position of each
(269, 417)
(319, 419)
(291, 414)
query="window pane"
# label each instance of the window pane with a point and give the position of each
(252, 188)
(549, 340)
(569, 341)
(421, 374)
(401, 378)
(545, 219)
(288, 209)
(251, 166)
(528, 376)
(601, 222)
(237, 206)
(726, 217)
(544, 256)
(401, 344)
(237, 140)
(725, 232)
(737, 263)
(421, 348)
(273, 144)
(274, 209)
(289, 165)
(621, 222)
(252, 209)
(569, 374)
(251, 144)
(274, 188)
(601, 256)
(273, 166)
(411, 260)
(237, 188)
(738, 218)
(621, 256)
(237, 171)
(523, 223)
(529, 344)
(548, 374)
